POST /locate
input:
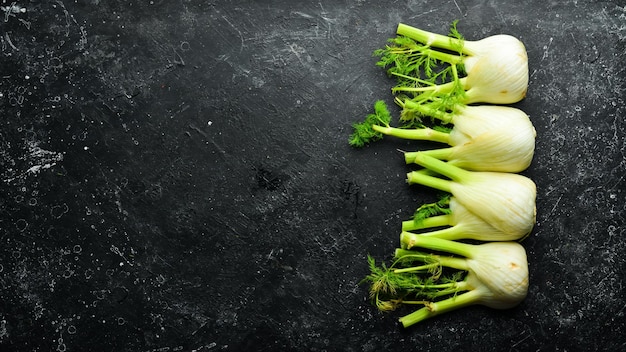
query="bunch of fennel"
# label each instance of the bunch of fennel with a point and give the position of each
(485, 199)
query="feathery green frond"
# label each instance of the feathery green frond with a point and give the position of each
(440, 207)
(402, 283)
(364, 132)
(413, 64)
(454, 33)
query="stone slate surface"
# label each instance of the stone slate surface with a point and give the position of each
(175, 176)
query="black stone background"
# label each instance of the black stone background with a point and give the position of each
(175, 176)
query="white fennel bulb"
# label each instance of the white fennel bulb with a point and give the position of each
(497, 70)
(486, 138)
(472, 121)
(493, 274)
(506, 201)
(483, 137)
(496, 67)
(494, 151)
(459, 223)
(500, 273)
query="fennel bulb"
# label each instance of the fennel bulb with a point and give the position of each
(506, 201)
(483, 138)
(496, 67)
(493, 274)
(486, 138)
(458, 223)
(497, 277)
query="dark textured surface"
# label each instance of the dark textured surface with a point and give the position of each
(175, 176)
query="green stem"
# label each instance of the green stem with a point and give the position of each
(426, 134)
(418, 80)
(447, 292)
(445, 57)
(413, 254)
(409, 157)
(413, 269)
(441, 154)
(450, 233)
(436, 308)
(415, 302)
(443, 260)
(431, 39)
(436, 244)
(460, 83)
(433, 221)
(443, 88)
(417, 177)
(426, 172)
(455, 173)
(400, 252)
(448, 285)
(427, 110)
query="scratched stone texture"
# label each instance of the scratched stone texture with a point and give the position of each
(175, 176)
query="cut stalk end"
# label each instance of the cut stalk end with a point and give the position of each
(411, 240)
(424, 179)
(432, 309)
